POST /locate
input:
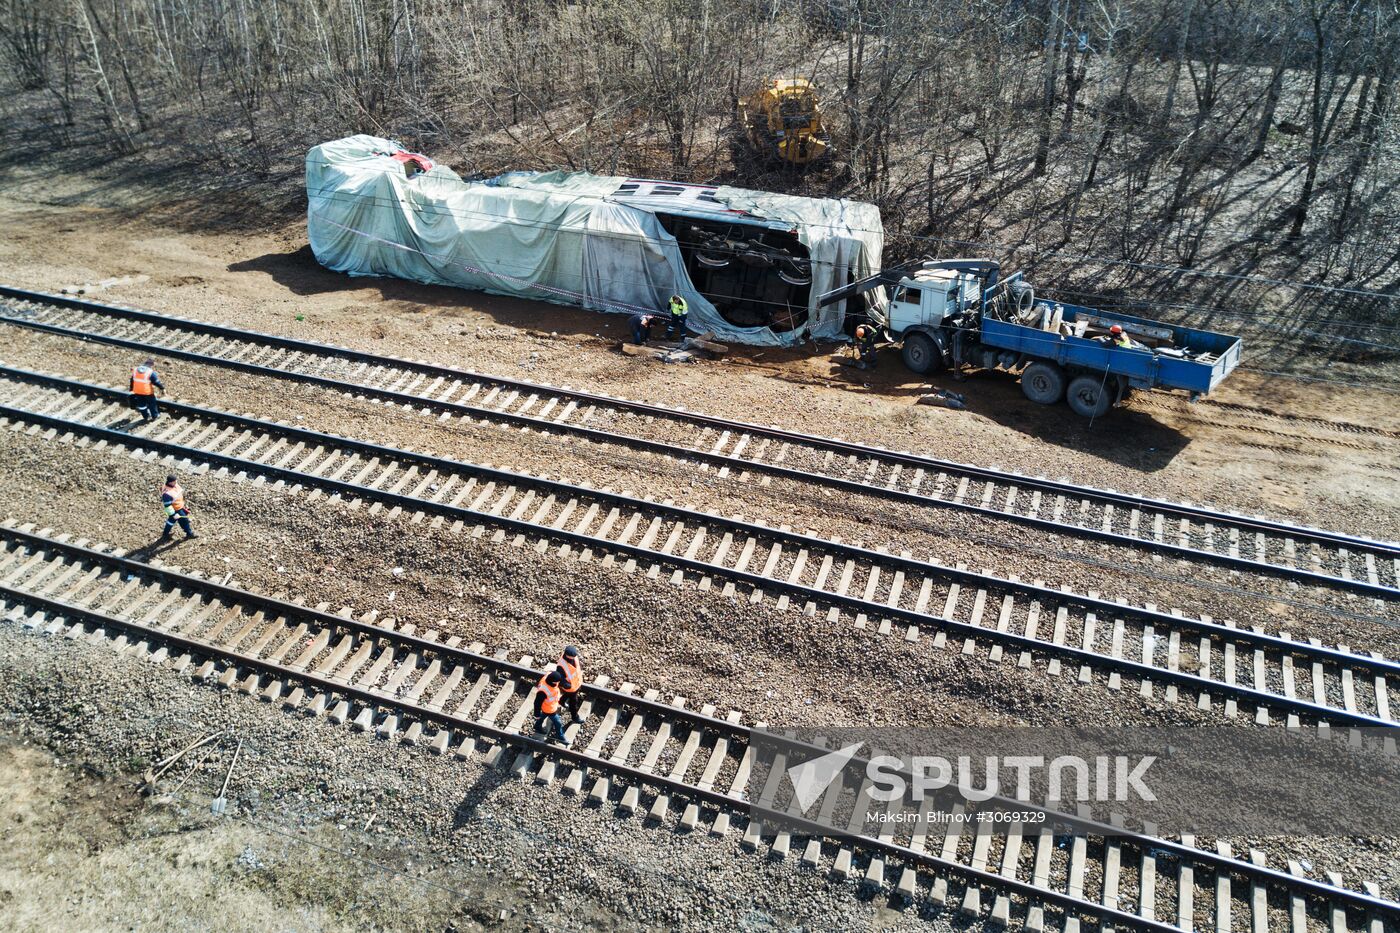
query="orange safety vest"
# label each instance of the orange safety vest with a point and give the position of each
(573, 675)
(176, 494)
(141, 381)
(551, 695)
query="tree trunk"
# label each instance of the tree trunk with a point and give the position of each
(1169, 104)
(1266, 119)
(1359, 114)
(111, 114)
(1047, 101)
(1366, 145)
(1074, 77)
(1300, 209)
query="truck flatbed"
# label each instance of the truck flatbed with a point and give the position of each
(1188, 360)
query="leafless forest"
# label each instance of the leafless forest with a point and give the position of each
(1230, 160)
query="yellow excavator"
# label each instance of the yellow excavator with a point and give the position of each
(784, 121)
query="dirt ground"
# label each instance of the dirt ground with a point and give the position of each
(1317, 452)
(348, 833)
(84, 850)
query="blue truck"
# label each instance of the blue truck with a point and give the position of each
(956, 313)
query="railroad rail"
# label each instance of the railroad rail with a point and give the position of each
(1197, 658)
(634, 750)
(1250, 543)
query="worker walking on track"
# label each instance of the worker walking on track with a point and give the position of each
(145, 382)
(172, 499)
(571, 671)
(547, 695)
(675, 328)
(865, 347)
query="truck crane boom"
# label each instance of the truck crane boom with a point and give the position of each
(986, 269)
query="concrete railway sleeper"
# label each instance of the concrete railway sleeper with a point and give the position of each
(637, 752)
(1077, 634)
(1249, 543)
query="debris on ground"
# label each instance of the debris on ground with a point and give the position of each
(675, 355)
(945, 398)
(159, 769)
(220, 803)
(668, 352)
(88, 288)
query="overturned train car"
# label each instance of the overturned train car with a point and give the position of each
(750, 264)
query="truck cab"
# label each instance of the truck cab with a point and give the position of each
(928, 299)
(924, 312)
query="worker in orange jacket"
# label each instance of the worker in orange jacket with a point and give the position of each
(547, 696)
(172, 499)
(145, 383)
(571, 672)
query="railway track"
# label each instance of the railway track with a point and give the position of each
(1192, 659)
(1196, 533)
(638, 752)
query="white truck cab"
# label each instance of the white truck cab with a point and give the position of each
(928, 307)
(929, 298)
(920, 309)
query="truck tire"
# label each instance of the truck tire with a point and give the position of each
(921, 354)
(1089, 396)
(1022, 301)
(1043, 383)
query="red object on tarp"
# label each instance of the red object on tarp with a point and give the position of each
(424, 163)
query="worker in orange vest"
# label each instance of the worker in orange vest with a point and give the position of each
(547, 695)
(172, 499)
(570, 670)
(145, 382)
(865, 346)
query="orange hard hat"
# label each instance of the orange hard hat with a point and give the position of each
(1115, 329)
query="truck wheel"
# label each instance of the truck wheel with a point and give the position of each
(920, 354)
(1089, 396)
(1043, 383)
